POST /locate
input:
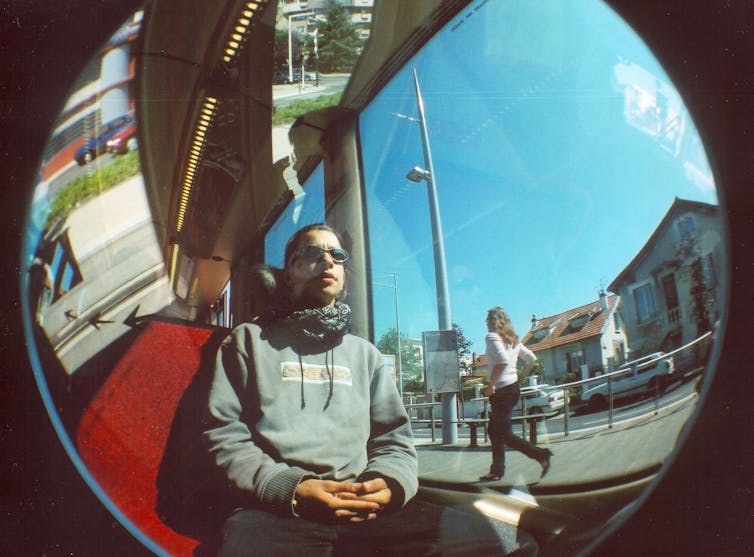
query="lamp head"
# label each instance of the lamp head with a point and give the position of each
(417, 174)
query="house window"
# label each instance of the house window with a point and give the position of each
(671, 299)
(645, 303)
(619, 352)
(220, 310)
(574, 361)
(669, 291)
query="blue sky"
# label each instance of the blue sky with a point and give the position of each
(558, 144)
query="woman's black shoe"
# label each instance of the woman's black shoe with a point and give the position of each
(490, 477)
(544, 461)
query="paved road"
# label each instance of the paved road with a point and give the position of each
(283, 95)
(597, 454)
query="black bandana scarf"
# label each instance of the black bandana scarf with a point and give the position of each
(323, 326)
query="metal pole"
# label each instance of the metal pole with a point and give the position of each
(290, 41)
(609, 400)
(399, 363)
(290, 50)
(398, 331)
(441, 279)
(316, 66)
(449, 408)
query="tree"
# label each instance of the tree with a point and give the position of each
(280, 50)
(697, 269)
(412, 367)
(464, 362)
(339, 42)
(702, 296)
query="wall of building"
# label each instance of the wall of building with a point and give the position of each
(666, 257)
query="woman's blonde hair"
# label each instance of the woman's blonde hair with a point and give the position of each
(501, 324)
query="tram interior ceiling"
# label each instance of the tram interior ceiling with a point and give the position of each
(204, 107)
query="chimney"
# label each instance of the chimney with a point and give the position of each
(603, 300)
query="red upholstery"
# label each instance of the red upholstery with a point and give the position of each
(123, 433)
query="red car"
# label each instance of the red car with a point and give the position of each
(123, 141)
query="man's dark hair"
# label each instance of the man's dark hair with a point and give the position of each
(293, 243)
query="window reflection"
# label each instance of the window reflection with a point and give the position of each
(560, 155)
(306, 207)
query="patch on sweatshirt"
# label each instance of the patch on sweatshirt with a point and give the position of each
(314, 373)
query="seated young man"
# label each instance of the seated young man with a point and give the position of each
(310, 432)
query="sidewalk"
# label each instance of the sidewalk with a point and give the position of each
(287, 90)
(585, 456)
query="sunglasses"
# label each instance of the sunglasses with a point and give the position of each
(315, 253)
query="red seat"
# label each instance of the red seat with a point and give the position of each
(123, 433)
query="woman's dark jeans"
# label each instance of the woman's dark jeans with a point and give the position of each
(500, 429)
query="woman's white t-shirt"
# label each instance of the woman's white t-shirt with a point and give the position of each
(498, 353)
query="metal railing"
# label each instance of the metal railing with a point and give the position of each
(524, 419)
(697, 360)
(692, 358)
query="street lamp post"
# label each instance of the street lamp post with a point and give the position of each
(449, 409)
(398, 363)
(291, 17)
(315, 33)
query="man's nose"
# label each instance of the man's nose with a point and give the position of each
(327, 256)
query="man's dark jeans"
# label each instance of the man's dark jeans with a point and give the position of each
(419, 529)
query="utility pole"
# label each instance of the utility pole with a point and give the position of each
(449, 408)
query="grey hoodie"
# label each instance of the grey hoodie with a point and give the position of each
(279, 415)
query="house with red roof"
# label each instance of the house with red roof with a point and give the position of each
(584, 340)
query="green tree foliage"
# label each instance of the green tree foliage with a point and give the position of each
(412, 367)
(464, 344)
(299, 47)
(701, 289)
(339, 43)
(287, 114)
(702, 297)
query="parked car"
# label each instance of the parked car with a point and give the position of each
(281, 77)
(540, 399)
(124, 141)
(647, 375)
(97, 144)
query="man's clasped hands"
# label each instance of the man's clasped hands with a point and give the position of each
(342, 501)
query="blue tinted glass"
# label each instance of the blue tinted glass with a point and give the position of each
(306, 208)
(558, 144)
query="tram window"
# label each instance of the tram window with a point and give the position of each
(559, 147)
(307, 207)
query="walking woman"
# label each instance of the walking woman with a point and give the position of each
(503, 352)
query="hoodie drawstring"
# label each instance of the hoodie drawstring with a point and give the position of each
(301, 367)
(330, 367)
(331, 374)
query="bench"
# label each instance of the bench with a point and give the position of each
(473, 424)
